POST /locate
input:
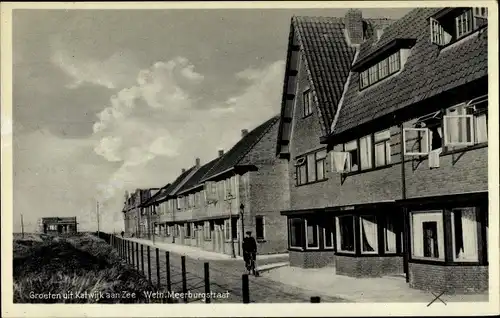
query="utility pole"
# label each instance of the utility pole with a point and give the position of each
(98, 228)
(22, 226)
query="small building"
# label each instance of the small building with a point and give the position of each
(59, 225)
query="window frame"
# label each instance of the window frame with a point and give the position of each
(331, 222)
(376, 248)
(339, 233)
(372, 74)
(386, 141)
(263, 228)
(439, 218)
(453, 238)
(315, 225)
(300, 245)
(307, 106)
(304, 160)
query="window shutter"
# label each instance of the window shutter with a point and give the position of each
(434, 158)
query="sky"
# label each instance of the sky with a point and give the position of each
(106, 101)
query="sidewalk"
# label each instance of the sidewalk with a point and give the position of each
(200, 254)
(384, 289)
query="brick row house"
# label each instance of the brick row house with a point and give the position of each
(135, 222)
(211, 206)
(387, 149)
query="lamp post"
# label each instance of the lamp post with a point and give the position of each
(242, 209)
(230, 198)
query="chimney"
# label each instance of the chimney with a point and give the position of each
(244, 132)
(183, 170)
(221, 153)
(354, 25)
(197, 162)
(380, 31)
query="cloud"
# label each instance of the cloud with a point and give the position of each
(155, 127)
(113, 73)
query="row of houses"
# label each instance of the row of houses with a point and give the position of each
(377, 164)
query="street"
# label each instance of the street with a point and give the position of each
(225, 276)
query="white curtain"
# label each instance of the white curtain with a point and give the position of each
(390, 236)
(380, 154)
(365, 144)
(339, 160)
(369, 230)
(481, 129)
(469, 235)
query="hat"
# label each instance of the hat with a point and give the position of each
(248, 232)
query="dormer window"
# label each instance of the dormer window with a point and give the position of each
(456, 23)
(380, 70)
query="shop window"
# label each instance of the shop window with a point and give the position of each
(427, 235)
(345, 233)
(464, 233)
(369, 234)
(296, 232)
(390, 234)
(312, 234)
(259, 228)
(328, 233)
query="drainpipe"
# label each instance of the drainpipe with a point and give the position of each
(406, 233)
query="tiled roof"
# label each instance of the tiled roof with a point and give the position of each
(240, 149)
(198, 176)
(427, 72)
(166, 191)
(328, 59)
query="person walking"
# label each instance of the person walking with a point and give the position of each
(250, 252)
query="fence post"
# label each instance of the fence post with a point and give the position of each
(246, 292)
(169, 280)
(132, 254)
(142, 259)
(207, 282)
(137, 255)
(315, 299)
(158, 281)
(184, 281)
(149, 263)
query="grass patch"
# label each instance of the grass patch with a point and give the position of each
(69, 266)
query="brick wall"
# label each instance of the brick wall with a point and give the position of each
(265, 193)
(450, 279)
(312, 259)
(371, 266)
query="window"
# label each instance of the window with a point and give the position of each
(320, 165)
(369, 234)
(383, 69)
(307, 103)
(437, 32)
(312, 234)
(390, 234)
(167, 230)
(351, 149)
(382, 148)
(364, 79)
(394, 63)
(187, 229)
(458, 126)
(464, 233)
(259, 227)
(427, 235)
(328, 233)
(372, 74)
(464, 23)
(227, 230)
(365, 153)
(296, 231)
(345, 233)
(416, 141)
(311, 167)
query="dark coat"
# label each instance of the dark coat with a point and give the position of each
(249, 245)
